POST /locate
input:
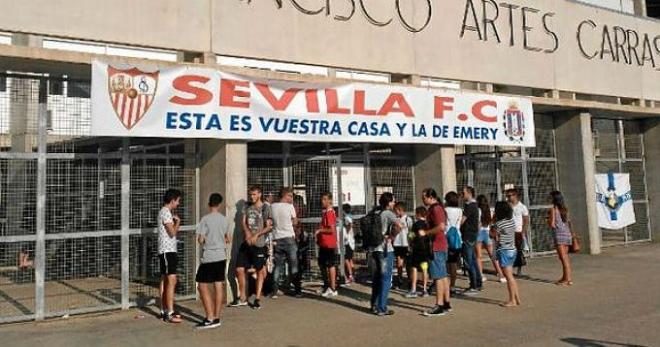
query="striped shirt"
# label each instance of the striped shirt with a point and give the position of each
(506, 230)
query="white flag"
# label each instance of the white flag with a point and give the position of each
(614, 201)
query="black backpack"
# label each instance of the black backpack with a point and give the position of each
(370, 227)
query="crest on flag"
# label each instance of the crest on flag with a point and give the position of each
(614, 199)
(132, 92)
(514, 123)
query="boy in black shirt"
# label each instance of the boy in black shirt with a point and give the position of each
(420, 255)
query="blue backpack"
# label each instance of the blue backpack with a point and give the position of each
(454, 240)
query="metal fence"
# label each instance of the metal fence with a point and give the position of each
(491, 170)
(619, 147)
(74, 207)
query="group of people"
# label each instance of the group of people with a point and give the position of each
(445, 235)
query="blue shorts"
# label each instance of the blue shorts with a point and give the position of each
(438, 266)
(506, 257)
(483, 237)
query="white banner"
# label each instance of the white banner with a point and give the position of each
(197, 102)
(614, 201)
(352, 184)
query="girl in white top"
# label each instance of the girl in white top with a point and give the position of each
(401, 240)
(454, 217)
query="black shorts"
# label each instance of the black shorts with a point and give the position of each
(327, 257)
(211, 272)
(168, 263)
(348, 252)
(453, 256)
(416, 260)
(251, 256)
(401, 252)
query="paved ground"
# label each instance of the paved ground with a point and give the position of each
(615, 302)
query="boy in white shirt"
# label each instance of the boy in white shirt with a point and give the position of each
(401, 240)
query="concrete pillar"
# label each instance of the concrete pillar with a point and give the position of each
(640, 7)
(652, 154)
(223, 169)
(448, 168)
(576, 169)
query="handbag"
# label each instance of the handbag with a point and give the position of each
(575, 245)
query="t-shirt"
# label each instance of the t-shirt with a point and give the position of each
(435, 216)
(506, 229)
(401, 239)
(454, 216)
(349, 235)
(328, 220)
(470, 228)
(283, 214)
(166, 243)
(387, 220)
(213, 227)
(420, 244)
(256, 220)
(519, 211)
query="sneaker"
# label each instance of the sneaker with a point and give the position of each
(483, 278)
(387, 313)
(471, 291)
(334, 293)
(435, 312)
(425, 294)
(447, 307)
(374, 310)
(256, 305)
(237, 303)
(456, 291)
(411, 295)
(503, 280)
(208, 324)
(276, 295)
(327, 293)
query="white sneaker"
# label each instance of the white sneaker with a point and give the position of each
(327, 293)
(483, 278)
(334, 293)
(503, 280)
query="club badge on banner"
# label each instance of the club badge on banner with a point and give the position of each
(200, 102)
(614, 201)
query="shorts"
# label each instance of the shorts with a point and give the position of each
(168, 263)
(348, 252)
(327, 257)
(453, 256)
(438, 266)
(506, 257)
(483, 237)
(251, 256)
(211, 272)
(401, 252)
(416, 260)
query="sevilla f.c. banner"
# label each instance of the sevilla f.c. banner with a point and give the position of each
(614, 201)
(201, 102)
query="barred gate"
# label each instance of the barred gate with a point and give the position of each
(73, 208)
(491, 170)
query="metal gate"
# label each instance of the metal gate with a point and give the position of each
(492, 170)
(619, 147)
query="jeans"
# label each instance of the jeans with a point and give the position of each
(382, 264)
(470, 256)
(286, 249)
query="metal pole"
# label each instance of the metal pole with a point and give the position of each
(40, 247)
(340, 202)
(125, 221)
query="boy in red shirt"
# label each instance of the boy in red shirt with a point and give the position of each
(326, 238)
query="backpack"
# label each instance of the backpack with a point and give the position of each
(454, 240)
(370, 227)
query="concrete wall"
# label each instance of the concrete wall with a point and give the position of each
(576, 169)
(260, 29)
(652, 154)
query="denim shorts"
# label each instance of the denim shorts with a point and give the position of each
(483, 237)
(506, 257)
(438, 266)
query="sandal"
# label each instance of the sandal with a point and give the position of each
(171, 318)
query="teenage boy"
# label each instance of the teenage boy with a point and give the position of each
(521, 218)
(326, 238)
(284, 241)
(469, 232)
(420, 255)
(213, 236)
(400, 242)
(257, 223)
(436, 219)
(168, 228)
(349, 242)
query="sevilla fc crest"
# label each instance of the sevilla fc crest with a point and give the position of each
(131, 93)
(514, 123)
